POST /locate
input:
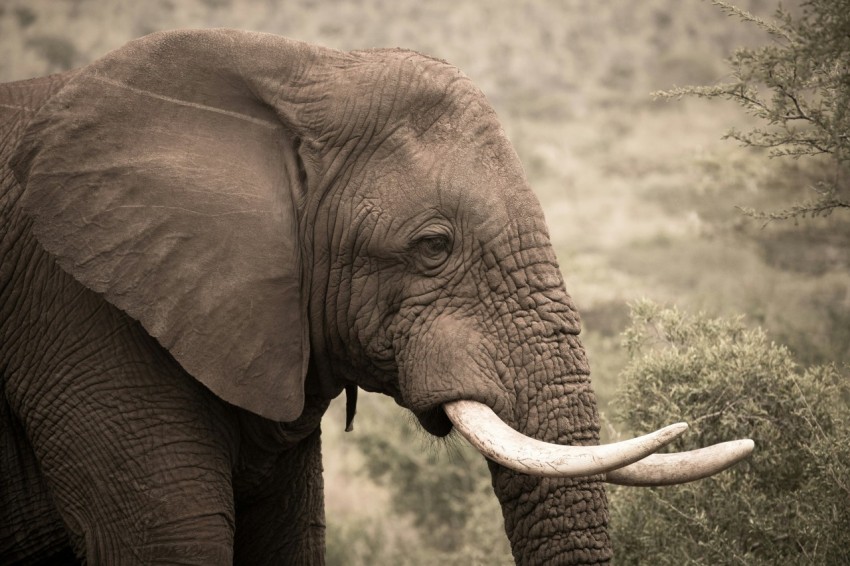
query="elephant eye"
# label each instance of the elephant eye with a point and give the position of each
(434, 249)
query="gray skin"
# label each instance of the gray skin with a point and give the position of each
(206, 236)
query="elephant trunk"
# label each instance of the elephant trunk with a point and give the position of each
(556, 520)
(540, 387)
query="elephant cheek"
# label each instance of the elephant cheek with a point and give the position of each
(444, 361)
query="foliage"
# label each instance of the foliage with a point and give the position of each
(428, 502)
(363, 543)
(789, 503)
(798, 86)
(451, 503)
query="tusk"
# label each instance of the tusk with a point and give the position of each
(499, 442)
(681, 467)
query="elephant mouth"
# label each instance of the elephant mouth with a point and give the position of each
(435, 421)
(629, 462)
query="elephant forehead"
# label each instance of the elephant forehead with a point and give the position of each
(434, 143)
(479, 184)
(396, 85)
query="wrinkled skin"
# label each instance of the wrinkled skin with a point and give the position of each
(417, 264)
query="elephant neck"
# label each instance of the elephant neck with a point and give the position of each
(269, 436)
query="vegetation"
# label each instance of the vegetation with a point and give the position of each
(788, 503)
(443, 494)
(639, 195)
(806, 110)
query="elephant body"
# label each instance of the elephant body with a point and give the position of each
(87, 378)
(165, 367)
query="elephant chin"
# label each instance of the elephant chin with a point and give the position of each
(435, 421)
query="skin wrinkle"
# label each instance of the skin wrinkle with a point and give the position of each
(11, 107)
(349, 135)
(385, 100)
(379, 349)
(368, 119)
(74, 349)
(31, 298)
(536, 402)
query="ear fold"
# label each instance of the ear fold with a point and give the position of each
(161, 180)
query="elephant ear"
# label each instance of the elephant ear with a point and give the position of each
(159, 178)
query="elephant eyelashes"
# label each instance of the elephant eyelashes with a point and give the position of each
(434, 250)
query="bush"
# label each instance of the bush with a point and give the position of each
(448, 496)
(429, 501)
(788, 504)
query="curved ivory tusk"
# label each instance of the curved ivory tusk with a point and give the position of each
(499, 442)
(682, 467)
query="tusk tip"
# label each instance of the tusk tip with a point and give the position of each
(745, 446)
(736, 450)
(673, 431)
(683, 467)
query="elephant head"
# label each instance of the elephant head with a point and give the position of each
(288, 221)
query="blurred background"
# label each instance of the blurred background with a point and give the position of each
(640, 195)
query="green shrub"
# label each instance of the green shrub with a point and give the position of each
(788, 504)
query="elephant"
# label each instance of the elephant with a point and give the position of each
(207, 235)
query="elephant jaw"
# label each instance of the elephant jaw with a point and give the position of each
(630, 462)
